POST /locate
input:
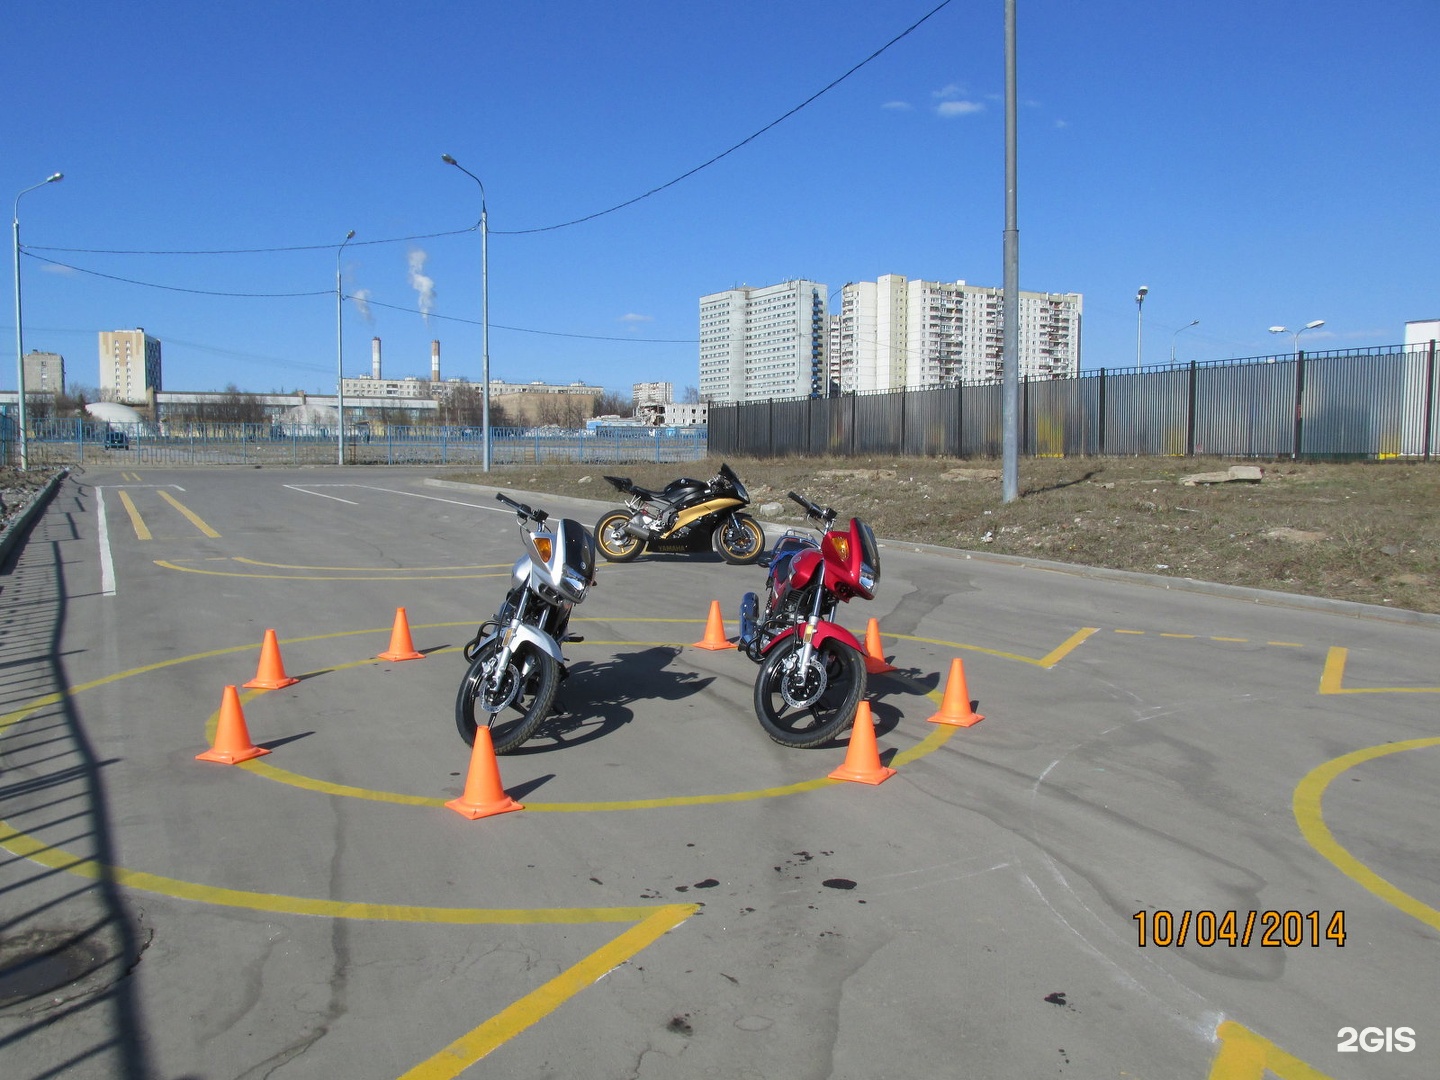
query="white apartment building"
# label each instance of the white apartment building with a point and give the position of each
(652, 393)
(129, 366)
(894, 334)
(762, 343)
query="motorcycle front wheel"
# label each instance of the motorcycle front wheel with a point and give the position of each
(808, 707)
(740, 540)
(613, 541)
(511, 703)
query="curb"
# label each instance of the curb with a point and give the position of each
(1268, 597)
(19, 529)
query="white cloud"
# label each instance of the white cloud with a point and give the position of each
(1062, 123)
(959, 108)
(361, 299)
(633, 318)
(898, 106)
(56, 268)
(954, 90)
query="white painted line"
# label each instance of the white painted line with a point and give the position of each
(107, 562)
(321, 494)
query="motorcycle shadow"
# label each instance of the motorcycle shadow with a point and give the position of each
(595, 700)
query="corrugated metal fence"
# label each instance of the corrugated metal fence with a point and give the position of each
(1353, 404)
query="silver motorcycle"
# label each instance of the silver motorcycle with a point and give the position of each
(515, 659)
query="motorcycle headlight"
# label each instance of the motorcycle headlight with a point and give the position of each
(575, 583)
(867, 580)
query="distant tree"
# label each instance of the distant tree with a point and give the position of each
(614, 403)
(464, 406)
(691, 396)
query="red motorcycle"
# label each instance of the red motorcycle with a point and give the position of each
(812, 670)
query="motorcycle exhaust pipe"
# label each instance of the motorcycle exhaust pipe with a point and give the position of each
(637, 529)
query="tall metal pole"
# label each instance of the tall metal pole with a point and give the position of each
(1192, 322)
(484, 306)
(19, 322)
(1010, 397)
(339, 351)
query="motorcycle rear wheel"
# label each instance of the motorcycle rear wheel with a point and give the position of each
(835, 680)
(740, 540)
(613, 541)
(537, 675)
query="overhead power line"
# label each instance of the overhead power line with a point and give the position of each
(564, 224)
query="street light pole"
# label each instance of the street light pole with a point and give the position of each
(1140, 326)
(340, 351)
(484, 308)
(1192, 322)
(19, 331)
(1295, 334)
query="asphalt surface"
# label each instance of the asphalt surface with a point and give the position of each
(680, 896)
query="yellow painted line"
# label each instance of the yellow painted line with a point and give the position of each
(1306, 804)
(1286, 644)
(1236, 640)
(142, 532)
(1334, 673)
(1244, 1055)
(1054, 656)
(190, 515)
(651, 924)
(512, 1020)
(1177, 635)
(1137, 632)
(370, 569)
(1048, 660)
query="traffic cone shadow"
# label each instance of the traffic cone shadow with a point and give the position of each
(401, 647)
(862, 760)
(271, 673)
(483, 796)
(875, 663)
(232, 738)
(955, 707)
(714, 630)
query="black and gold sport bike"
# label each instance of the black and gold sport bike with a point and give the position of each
(686, 515)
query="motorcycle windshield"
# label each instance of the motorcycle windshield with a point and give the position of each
(728, 475)
(575, 560)
(864, 538)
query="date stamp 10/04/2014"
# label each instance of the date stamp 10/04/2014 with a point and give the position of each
(1239, 929)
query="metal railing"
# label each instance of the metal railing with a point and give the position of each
(85, 442)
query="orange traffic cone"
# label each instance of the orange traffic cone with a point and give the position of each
(862, 760)
(271, 673)
(874, 656)
(401, 647)
(955, 706)
(714, 630)
(483, 795)
(232, 739)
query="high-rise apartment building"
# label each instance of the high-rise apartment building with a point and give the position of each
(44, 373)
(894, 333)
(129, 365)
(762, 343)
(652, 393)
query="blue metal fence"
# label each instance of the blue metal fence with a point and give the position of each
(87, 442)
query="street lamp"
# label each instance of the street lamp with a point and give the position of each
(1140, 325)
(1296, 333)
(339, 350)
(1192, 322)
(19, 332)
(484, 309)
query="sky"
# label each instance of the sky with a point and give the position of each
(1253, 164)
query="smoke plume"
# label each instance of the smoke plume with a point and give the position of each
(423, 286)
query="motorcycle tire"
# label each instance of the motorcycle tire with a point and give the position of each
(740, 540)
(613, 541)
(834, 686)
(538, 675)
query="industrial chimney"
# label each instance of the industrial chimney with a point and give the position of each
(375, 358)
(434, 361)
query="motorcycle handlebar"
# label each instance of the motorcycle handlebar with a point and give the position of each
(824, 514)
(537, 516)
